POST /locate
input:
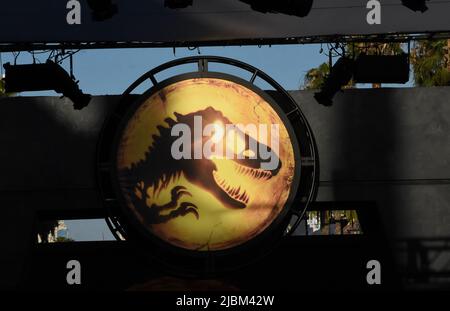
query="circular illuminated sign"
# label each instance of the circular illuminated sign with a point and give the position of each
(206, 163)
(205, 171)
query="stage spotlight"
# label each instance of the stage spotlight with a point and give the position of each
(382, 68)
(415, 5)
(102, 9)
(42, 77)
(300, 8)
(340, 75)
(178, 4)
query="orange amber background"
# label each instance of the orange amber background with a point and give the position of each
(218, 227)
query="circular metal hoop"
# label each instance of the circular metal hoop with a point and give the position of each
(214, 262)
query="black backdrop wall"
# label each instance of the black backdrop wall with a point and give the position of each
(389, 146)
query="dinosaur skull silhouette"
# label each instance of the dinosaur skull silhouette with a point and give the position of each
(159, 168)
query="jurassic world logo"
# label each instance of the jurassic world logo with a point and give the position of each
(205, 164)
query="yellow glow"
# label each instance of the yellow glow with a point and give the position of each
(219, 132)
(249, 153)
(218, 226)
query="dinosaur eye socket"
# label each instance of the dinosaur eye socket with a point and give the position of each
(218, 132)
(249, 153)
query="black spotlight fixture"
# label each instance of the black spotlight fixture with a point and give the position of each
(300, 8)
(102, 9)
(382, 68)
(415, 5)
(43, 77)
(340, 75)
(178, 4)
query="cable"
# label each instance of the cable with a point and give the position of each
(16, 55)
(1, 65)
(67, 55)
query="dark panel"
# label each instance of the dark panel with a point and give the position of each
(122, 266)
(219, 22)
(407, 211)
(49, 145)
(387, 134)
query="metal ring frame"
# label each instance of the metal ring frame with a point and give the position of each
(309, 157)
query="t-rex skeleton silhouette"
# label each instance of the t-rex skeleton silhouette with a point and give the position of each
(158, 169)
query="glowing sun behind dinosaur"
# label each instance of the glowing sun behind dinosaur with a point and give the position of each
(211, 203)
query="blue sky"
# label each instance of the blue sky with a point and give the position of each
(112, 71)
